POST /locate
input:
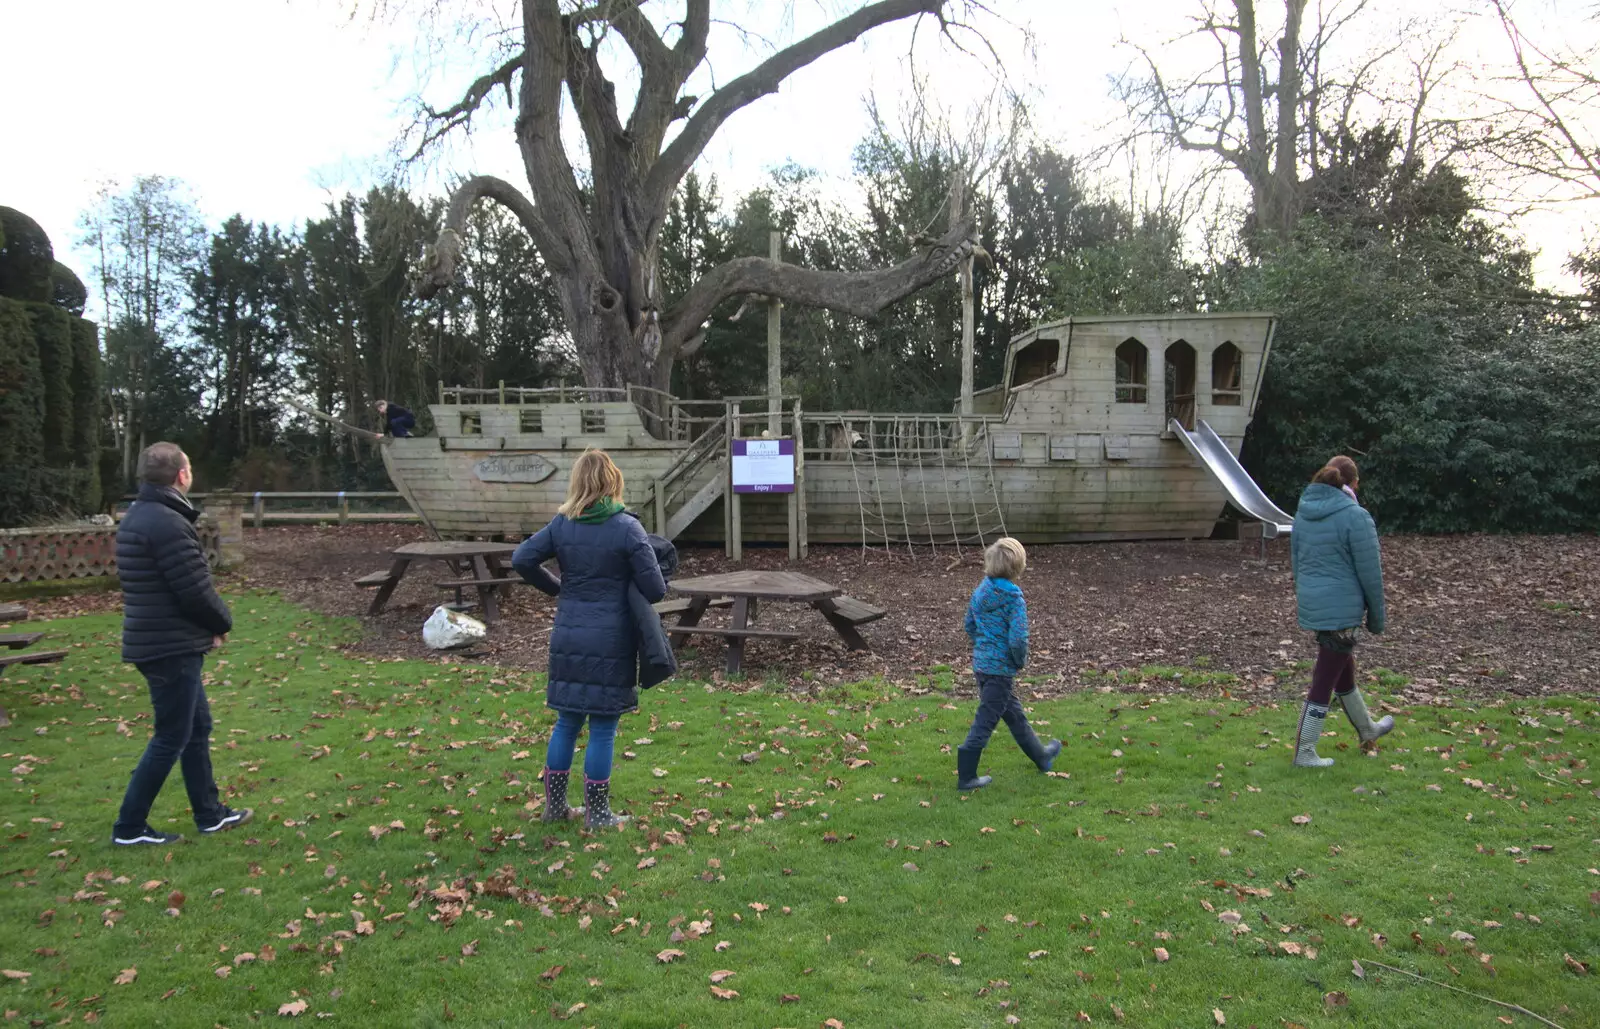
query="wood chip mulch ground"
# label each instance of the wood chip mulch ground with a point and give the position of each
(1513, 614)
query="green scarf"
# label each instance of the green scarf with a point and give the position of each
(599, 511)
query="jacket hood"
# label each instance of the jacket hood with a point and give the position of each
(1321, 501)
(995, 592)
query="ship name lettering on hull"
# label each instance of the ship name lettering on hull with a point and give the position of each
(513, 468)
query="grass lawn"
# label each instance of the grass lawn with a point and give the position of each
(809, 858)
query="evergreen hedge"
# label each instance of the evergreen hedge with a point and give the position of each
(21, 412)
(86, 409)
(26, 258)
(52, 332)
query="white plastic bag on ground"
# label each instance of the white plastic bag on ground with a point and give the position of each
(446, 629)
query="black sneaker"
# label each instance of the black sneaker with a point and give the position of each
(229, 819)
(144, 837)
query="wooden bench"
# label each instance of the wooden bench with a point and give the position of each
(37, 657)
(13, 613)
(856, 612)
(373, 579)
(456, 584)
(18, 640)
(728, 633)
(679, 606)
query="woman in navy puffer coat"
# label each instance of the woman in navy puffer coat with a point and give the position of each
(594, 646)
(1338, 583)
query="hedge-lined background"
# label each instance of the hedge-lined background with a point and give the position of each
(50, 398)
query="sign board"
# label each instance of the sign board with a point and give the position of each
(763, 466)
(513, 468)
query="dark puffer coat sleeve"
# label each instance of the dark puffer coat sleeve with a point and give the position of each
(183, 566)
(529, 558)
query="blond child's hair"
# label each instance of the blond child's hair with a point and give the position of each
(594, 476)
(1005, 559)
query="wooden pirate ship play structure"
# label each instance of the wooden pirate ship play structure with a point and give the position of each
(1082, 440)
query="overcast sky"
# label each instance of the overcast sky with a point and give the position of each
(271, 107)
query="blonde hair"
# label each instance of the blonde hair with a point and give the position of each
(594, 476)
(1005, 559)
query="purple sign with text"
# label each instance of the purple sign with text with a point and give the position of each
(763, 466)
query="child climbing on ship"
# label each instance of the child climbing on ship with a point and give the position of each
(997, 622)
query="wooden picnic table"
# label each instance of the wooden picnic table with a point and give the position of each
(747, 589)
(20, 641)
(472, 563)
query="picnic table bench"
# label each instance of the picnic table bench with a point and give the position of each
(20, 641)
(745, 590)
(472, 563)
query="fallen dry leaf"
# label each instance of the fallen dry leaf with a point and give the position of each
(721, 946)
(469, 950)
(1336, 999)
(668, 956)
(223, 971)
(833, 1023)
(1162, 955)
(1301, 819)
(126, 976)
(721, 994)
(789, 998)
(1035, 955)
(1230, 917)
(1217, 1014)
(12, 973)
(722, 974)
(550, 973)
(1357, 970)
(1575, 965)
(293, 1009)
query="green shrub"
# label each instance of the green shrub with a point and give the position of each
(52, 331)
(21, 412)
(26, 258)
(67, 290)
(87, 419)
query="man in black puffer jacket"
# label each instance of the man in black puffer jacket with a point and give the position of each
(171, 617)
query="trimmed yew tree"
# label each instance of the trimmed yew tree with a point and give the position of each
(601, 239)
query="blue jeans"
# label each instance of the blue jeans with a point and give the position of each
(997, 702)
(182, 734)
(596, 756)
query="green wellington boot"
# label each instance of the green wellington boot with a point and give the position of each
(1355, 709)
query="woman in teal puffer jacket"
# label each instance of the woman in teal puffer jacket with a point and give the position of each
(1338, 583)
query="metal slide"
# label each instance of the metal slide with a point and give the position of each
(1209, 450)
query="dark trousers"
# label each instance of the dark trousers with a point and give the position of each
(996, 703)
(182, 734)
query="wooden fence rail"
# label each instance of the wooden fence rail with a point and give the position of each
(259, 515)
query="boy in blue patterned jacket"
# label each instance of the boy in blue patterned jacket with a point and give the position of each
(997, 622)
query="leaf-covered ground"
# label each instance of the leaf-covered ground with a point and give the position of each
(1493, 614)
(794, 862)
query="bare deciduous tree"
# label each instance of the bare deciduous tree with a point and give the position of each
(1549, 132)
(600, 238)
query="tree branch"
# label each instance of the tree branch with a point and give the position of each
(684, 150)
(439, 264)
(863, 294)
(437, 124)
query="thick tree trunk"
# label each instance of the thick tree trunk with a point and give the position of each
(601, 244)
